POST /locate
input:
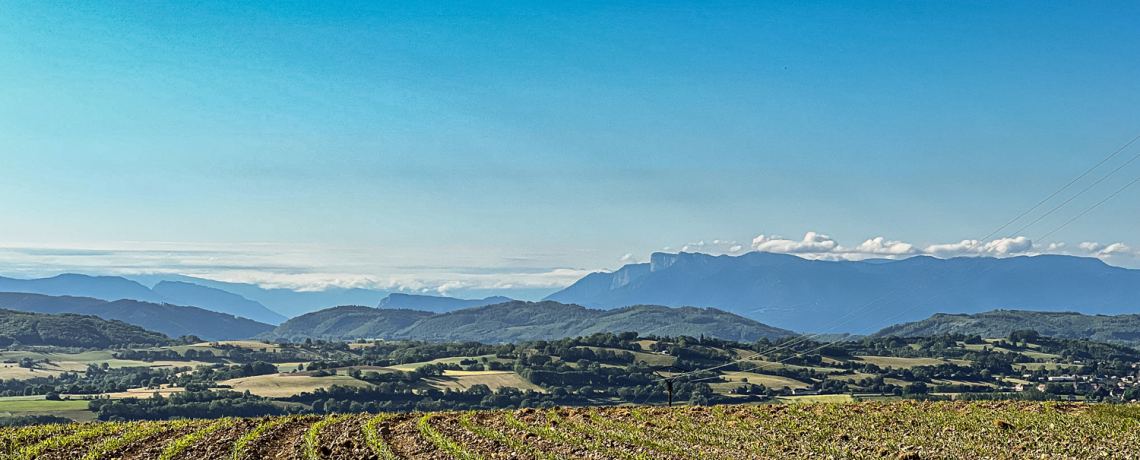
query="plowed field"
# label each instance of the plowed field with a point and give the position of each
(906, 430)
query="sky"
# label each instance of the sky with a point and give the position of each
(512, 147)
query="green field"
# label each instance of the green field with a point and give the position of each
(39, 405)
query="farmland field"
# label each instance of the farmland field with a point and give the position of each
(283, 385)
(884, 361)
(905, 430)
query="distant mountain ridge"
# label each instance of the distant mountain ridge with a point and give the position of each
(171, 320)
(516, 321)
(860, 297)
(111, 288)
(286, 302)
(435, 304)
(1119, 329)
(184, 293)
(96, 287)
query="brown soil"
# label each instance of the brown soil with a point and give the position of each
(284, 442)
(73, 451)
(407, 442)
(725, 432)
(451, 428)
(596, 446)
(219, 444)
(344, 440)
(151, 447)
(495, 421)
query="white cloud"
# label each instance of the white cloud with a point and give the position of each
(717, 246)
(1090, 247)
(818, 246)
(882, 246)
(813, 243)
(1095, 249)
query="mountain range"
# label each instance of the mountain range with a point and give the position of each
(784, 291)
(111, 288)
(516, 321)
(860, 297)
(286, 302)
(171, 320)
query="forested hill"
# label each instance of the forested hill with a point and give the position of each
(345, 323)
(517, 321)
(71, 330)
(171, 320)
(1121, 329)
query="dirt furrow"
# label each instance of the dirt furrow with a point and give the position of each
(74, 450)
(283, 442)
(489, 448)
(219, 444)
(344, 440)
(604, 446)
(407, 441)
(665, 429)
(544, 448)
(149, 448)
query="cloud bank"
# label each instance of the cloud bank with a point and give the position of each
(443, 270)
(818, 246)
(468, 271)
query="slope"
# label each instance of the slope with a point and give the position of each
(345, 323)
(519, 321)
(171, 320)
(71, 330)
(1120, 329)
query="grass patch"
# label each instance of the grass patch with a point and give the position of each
(41, 405)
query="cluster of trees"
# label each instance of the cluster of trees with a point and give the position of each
(187, 404)
(96, 379)
(105, 379)
(229, 352)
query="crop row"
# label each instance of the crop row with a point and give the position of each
(870, 430)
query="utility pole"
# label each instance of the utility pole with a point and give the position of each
(670, 379)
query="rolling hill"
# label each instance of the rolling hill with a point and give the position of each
(1120, 329)
(860, 297)
(346, 323)
(518, 321)
(71, 330)
(435, 304)
(171, 320)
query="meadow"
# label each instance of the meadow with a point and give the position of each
(904, 430)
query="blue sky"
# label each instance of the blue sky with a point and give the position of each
(441, 142)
